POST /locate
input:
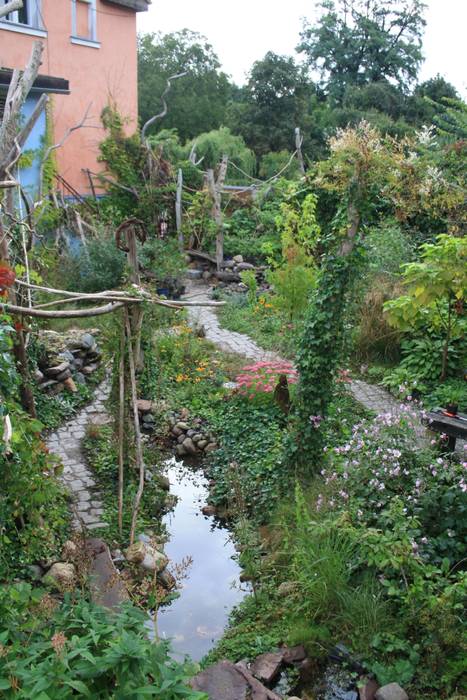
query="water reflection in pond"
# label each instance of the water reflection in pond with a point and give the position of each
(196, 619)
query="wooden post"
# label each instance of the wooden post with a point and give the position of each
(136, 313)
(178, 209)
(121, 426)
(138, 445)
(79, 226)
(298, 147)
(215, 188)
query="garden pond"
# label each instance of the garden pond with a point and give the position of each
(210, 587)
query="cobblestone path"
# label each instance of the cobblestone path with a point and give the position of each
(373, 398)
(227, 341)
(66, 443)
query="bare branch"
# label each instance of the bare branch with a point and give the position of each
(18, 90)
(131, 190)
(82, 124)
(162, 114)
(139, 449)
(11, 7)
(75, 313)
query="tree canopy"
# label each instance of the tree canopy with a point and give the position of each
(356, 42)
(273, 102)
(197, 102)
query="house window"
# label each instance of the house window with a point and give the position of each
(29, 15)
(83, 20)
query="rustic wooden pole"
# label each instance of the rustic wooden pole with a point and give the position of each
(121, 426)
(215, 188)
(138, 445)
(136, 315)
(298, 147)
(178, 209)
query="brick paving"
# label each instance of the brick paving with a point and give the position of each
(66, 443)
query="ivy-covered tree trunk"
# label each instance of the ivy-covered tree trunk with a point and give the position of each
(321, 348)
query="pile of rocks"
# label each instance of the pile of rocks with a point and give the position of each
(257, 680)
(192, 438)
(67, 360)
(147, 420)
(206, 269)
(59, 574)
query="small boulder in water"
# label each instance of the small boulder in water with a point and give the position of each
(146, 556)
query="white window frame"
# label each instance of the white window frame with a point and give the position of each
(33, 9)
(91, 38)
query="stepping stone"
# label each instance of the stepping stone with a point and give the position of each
(106, 586)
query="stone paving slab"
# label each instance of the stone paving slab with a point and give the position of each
(66, 444)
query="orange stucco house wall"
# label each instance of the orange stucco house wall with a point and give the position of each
(92, 45)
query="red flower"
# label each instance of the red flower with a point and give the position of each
(7, 278)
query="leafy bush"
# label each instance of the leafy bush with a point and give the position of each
(55, 652)
(452, 391)
(248, 467)
(386, 483)
(388, 247)
(52, 411)
(163, 258)
(421, 365)
(33, 512)
(101, 268)
(211, 146)
(293, 283)
(279, 161)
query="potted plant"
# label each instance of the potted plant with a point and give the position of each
(453, 398)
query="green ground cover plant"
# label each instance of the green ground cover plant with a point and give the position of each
(34, 517)
(54, 650)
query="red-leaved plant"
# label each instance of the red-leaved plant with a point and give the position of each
(262, 377)
(7, 278)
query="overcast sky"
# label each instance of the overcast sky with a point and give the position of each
(242, 31)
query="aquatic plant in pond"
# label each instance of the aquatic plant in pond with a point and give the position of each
(262, 377)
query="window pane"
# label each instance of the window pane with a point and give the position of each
(82, 20)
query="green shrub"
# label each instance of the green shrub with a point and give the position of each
(101, 268)
(248, 277)
(293, 283)
(80, 649)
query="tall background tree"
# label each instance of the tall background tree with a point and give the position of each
(357, 42)
(273, 102)
(197, 102)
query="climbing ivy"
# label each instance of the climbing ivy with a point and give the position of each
(368, 176)
(320, 351)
